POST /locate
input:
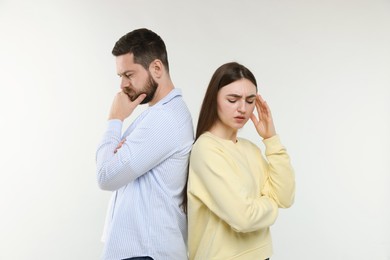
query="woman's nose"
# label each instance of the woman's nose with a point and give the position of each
(242, 107)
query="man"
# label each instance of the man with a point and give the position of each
(146, 167)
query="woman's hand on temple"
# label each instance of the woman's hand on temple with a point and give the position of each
(263, 122)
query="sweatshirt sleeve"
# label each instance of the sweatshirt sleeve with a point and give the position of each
(280, 183)
(213, 180)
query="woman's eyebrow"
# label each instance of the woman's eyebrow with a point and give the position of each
(234, 95)
(251, 96)
(240, 96)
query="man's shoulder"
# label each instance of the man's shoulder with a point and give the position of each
(175, 110)
(165, 120)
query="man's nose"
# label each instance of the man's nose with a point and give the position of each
(124, 82)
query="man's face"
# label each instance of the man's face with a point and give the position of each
(135, 79)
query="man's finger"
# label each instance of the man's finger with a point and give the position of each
(139, 99)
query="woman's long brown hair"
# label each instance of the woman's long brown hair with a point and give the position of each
(224, 75)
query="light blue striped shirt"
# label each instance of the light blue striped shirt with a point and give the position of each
(147, 175)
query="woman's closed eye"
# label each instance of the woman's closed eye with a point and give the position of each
(249, 101)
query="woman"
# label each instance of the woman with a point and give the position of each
(234, 192)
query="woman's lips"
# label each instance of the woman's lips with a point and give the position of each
(239, 118)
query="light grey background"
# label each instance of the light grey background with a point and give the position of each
(323, 66)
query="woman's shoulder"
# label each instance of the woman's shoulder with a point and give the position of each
(247, 143)
(206, 140)
(206, 136)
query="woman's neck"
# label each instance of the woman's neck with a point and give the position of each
(220, 130)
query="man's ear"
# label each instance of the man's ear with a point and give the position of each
(156, 68)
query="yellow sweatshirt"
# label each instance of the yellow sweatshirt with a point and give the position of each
(234, 195)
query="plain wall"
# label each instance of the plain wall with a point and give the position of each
(323, 67)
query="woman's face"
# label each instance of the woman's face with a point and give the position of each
(236, 102)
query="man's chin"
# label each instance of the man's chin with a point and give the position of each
(129, 95)
(146, 100)
(132, 97)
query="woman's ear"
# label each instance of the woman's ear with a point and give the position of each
(156, 68)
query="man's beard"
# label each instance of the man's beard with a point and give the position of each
(149, 89)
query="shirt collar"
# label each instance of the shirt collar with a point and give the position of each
(171, 95)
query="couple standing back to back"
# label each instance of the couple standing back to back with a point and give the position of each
(230, 196)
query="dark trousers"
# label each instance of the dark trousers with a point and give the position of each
(149, 258)
(139, 258)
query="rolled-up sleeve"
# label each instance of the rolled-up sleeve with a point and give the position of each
(146, 146)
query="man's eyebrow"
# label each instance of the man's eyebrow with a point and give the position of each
(126, 71)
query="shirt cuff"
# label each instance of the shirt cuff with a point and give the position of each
(114, 125)
(272, 145)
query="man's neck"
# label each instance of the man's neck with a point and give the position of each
(162, 91)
